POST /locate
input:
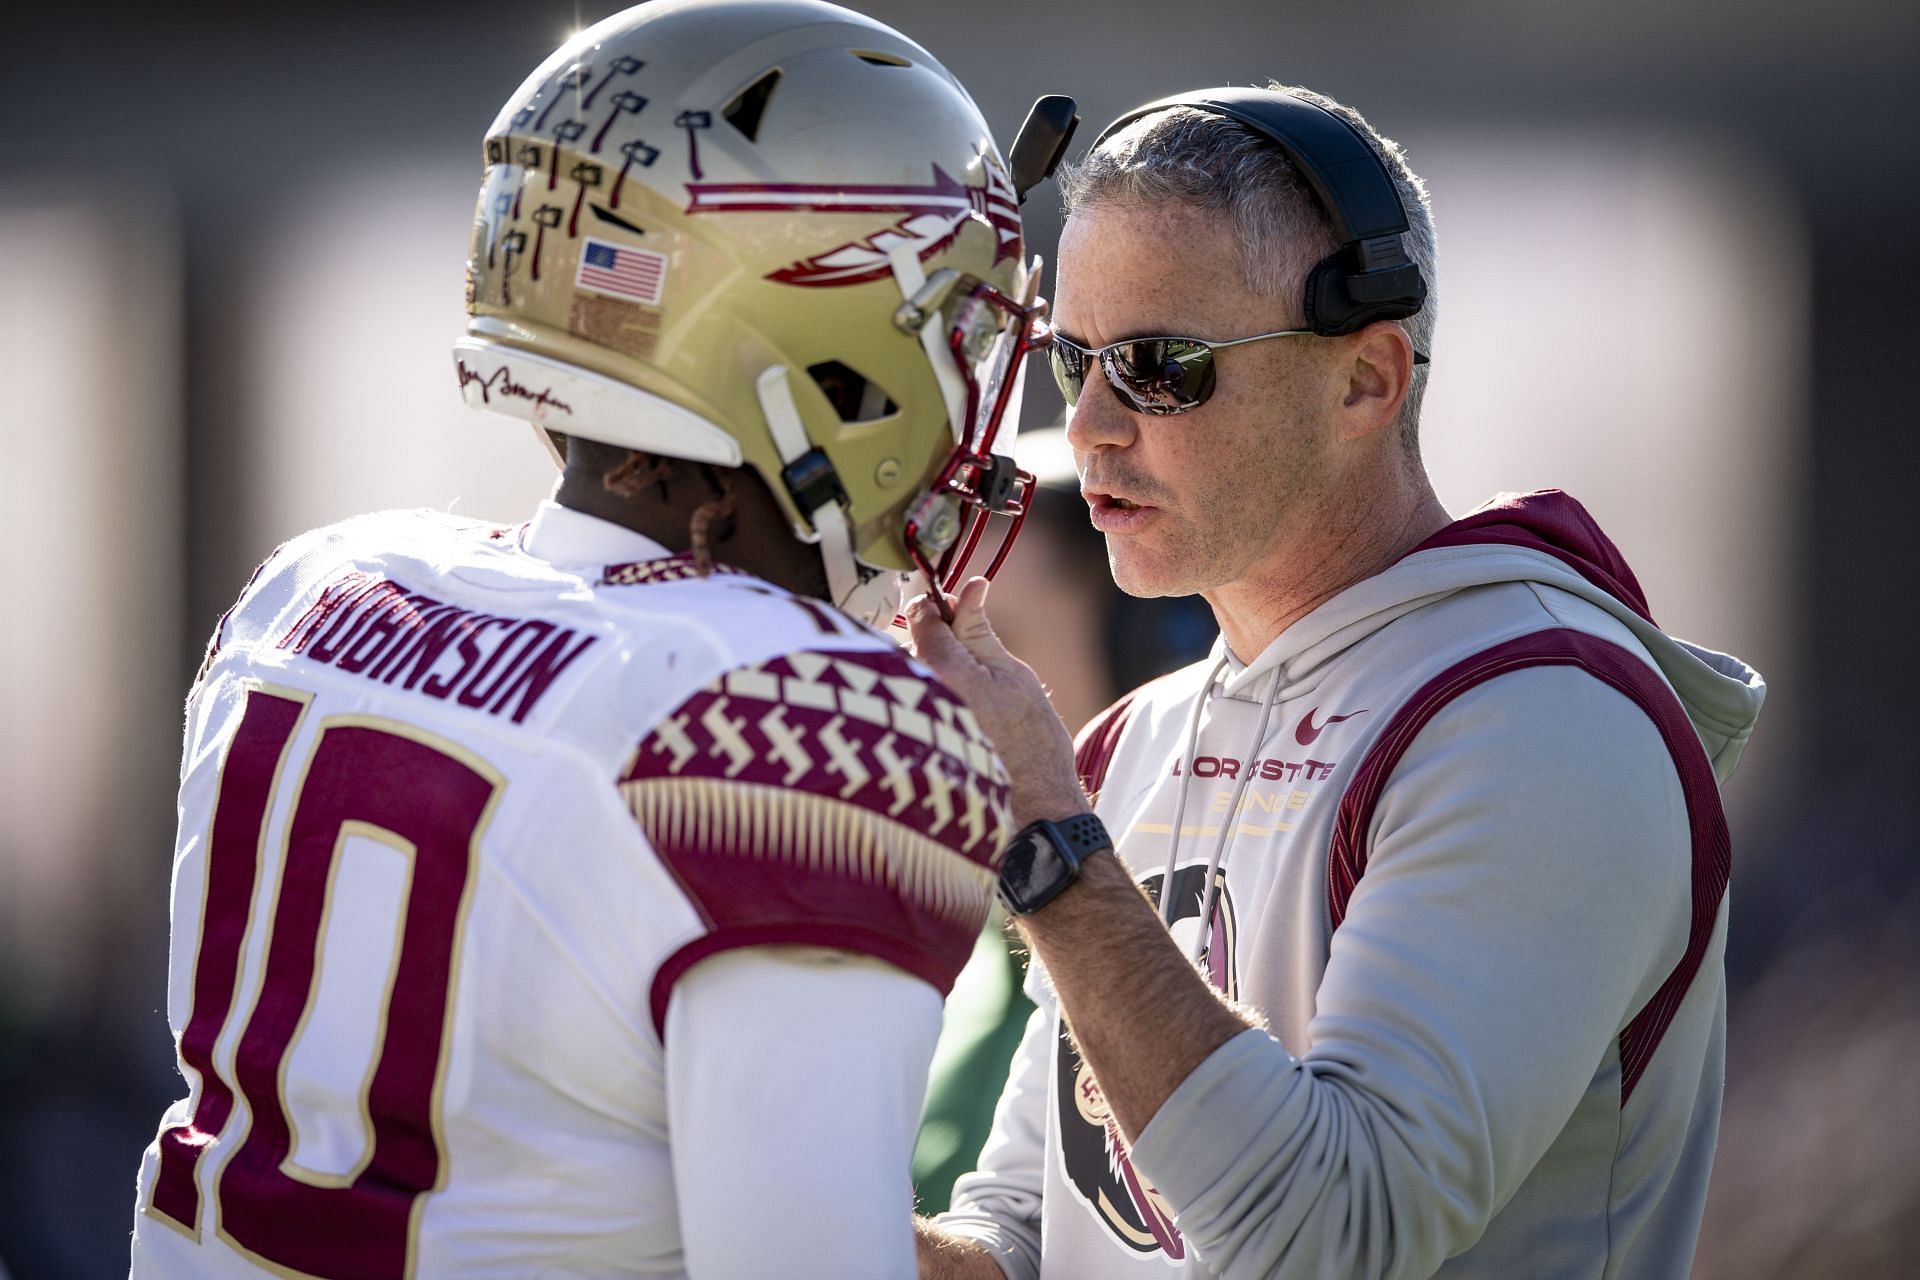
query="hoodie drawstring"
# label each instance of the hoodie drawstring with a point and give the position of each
(1227, 824)
(1232, 818)
(1180, 802)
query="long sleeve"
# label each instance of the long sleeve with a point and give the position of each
(1527, 891)
(794, 1082)
(999, 1204)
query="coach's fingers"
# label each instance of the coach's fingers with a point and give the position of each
(937, 642)
(934, 642)
(972, 626)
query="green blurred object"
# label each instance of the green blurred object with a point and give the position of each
(985, 1015)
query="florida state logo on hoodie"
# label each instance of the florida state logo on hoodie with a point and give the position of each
(1090, 1144)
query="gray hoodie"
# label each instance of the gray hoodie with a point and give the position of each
(1474, 883)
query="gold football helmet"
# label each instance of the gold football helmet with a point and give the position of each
(765, 233)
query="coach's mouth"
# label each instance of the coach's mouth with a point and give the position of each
(1116, 513)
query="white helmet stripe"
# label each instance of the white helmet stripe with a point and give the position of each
(933, 339)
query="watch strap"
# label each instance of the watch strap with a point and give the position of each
(1085, 835)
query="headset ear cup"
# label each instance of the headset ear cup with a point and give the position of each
(1329, 308)
(1390, 293)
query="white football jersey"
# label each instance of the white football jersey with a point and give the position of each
(453, 820)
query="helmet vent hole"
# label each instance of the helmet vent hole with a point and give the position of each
(853, 397)
(745, 111)
(880, 59)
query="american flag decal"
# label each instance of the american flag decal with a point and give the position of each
(622, 272)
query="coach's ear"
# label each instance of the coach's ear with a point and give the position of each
(1378, 363)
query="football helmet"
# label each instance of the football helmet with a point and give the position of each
(765, 233)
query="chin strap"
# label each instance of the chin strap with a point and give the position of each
(910, 276)
(871, 596)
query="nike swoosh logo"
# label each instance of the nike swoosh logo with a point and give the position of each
(1308, 731)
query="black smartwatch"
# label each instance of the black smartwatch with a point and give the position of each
(1045, 857)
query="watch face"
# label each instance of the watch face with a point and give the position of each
(1044, 858)
(1027, 872)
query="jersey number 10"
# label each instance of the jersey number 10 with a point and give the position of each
(430, 800)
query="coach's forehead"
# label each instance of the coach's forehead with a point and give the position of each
(1138, 268)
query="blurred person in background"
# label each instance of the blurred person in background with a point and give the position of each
(1408, 954)
(577, 898)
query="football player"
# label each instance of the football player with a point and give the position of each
(577, 898)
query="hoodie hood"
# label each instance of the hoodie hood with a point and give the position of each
(1545, 537)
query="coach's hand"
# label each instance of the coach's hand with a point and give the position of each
(1006, 697)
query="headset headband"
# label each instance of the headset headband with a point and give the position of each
(1344, 172)
(1370, 277)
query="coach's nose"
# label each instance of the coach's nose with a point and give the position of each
(1099, 420)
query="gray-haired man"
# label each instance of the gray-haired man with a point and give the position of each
(1439, 819)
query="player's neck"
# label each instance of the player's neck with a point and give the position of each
(652, 514)
(760, 542)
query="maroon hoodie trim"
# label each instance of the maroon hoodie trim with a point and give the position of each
(1620, 670)
(1555, 523)
(1093, 750)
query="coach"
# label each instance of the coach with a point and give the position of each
(1399, 950)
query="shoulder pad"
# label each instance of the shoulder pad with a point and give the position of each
(833, 798)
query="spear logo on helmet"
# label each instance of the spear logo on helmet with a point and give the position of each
(930, 218)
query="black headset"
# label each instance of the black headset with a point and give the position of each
(1369, 277)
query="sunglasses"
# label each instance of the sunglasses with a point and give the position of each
(1158, 376)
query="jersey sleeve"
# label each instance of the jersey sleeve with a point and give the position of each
(839, 799)
(852, 1037)
(224, 628)
(997, 1206)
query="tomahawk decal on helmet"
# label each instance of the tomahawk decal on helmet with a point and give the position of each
(693, 122)
(639, 152)
(930, 217)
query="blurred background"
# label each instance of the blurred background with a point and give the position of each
(1678, 274)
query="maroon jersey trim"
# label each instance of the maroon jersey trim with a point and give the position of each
(674, 568)
(1620, 670)
(936, 969)
(1093, 753)
(826, 798)
(768, 866)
